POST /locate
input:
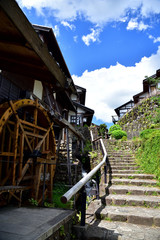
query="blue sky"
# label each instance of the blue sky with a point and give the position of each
(109, 45)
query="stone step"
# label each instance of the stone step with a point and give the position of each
(112, 157)
(119, 151)
(122, 164)
(136, 182)
(135, 215)
(125, 171)
(133, 176)
(133, 200)
(124, 167)
(133, 190)
(111, 162)
(120, 156)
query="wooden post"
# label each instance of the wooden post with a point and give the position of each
(9, 150)
(50, 188)
(15, 153)
(2, 149)
(59, 141)
(68, 158)
(21, 154)
(37, 179)
(44, 179)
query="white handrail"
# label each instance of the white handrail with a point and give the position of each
(71, 192)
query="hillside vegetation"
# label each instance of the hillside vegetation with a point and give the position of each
(148, 154)
(142, 124)
(143, 116)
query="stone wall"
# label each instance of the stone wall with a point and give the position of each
(85, 132)
(140, 117)
(65, 231)
(94, 130)
(62, 168)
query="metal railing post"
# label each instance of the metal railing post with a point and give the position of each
(97, 181)
(105, 174)
(79, 185)
(83, 206)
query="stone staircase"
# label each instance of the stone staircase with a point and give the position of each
(130, 197)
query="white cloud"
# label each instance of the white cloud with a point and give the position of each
(92, 37)
(142, 26)
(66, 24)
(56, 31)
(75, 38)
(108, 88)
(97, 12)
(134, 24)
(155, 40)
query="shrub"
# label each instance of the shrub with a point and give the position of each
(118, 134)
(114, 127)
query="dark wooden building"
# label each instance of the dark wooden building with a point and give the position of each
(35, 100)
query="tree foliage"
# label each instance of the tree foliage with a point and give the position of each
(102, 130)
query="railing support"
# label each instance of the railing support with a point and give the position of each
(81, 185)
(97, 181)
(83, 206)
(105, 173)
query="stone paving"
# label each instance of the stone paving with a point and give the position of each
(116, 230)
(31, 223)
(129, 207)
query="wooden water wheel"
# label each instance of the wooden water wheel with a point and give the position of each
(27, 147)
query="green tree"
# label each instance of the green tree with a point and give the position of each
(102, 130)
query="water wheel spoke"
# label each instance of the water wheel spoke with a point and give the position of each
(25, 130)
(21, 126)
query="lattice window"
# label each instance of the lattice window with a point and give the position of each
(75, 119)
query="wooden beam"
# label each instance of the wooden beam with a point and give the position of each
(21, 23)
(44, 160)
(33, 125)
(26, 69)
(8, 154)
(33, 134)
